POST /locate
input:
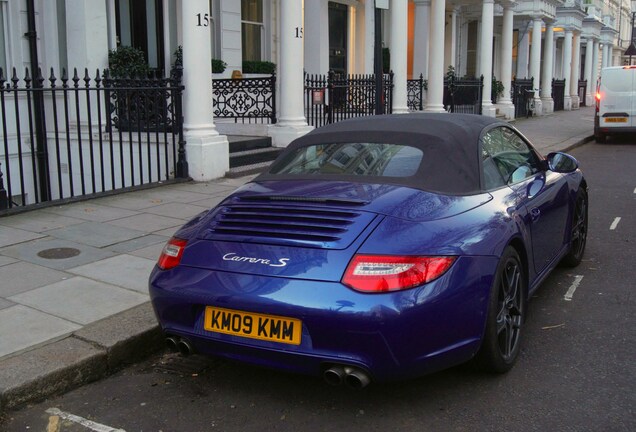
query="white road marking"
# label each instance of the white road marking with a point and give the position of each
(96, 427)
(568, 295)
(635, 190)
(615, 224)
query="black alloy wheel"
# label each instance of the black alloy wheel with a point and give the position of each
(578, 237)
(501, 343)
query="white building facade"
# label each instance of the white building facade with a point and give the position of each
(499, 39)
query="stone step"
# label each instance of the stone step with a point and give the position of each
(239, 143)
(246, 170)
(255, 156)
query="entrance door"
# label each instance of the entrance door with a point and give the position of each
(140, 25)
(338, 20)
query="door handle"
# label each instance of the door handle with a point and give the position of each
(535, 213)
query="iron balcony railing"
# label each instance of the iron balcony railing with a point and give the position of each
(245, 100)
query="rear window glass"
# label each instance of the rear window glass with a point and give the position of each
(363, 159)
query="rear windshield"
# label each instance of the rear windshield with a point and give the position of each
(361, 159)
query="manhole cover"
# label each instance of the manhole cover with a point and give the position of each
(59, 253)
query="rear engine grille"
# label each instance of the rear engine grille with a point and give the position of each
(283, 224)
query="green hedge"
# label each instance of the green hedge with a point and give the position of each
(259, 67)
(127, 61)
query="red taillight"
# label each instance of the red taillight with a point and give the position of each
(382, 273)
(171, 254)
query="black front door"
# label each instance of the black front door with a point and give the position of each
(338, 19)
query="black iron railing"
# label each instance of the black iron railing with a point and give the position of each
(246, 100)
(463, 96)
(414, 94)
(522, 95)
(334, 97)
(582, 92)
(558, 94)
(94, 135)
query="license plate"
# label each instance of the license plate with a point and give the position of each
(616, 120)
(253, 325)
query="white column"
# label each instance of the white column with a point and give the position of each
(316, 37)
(435, 95)
(86, 36)
(546, 77)
(369, 36)
(523, 54)
(594, 69)
(485, 64)
(576, 66)
(291, 119)
(567, 68)
(535, 62)
(399, 42)
(207, 152)
(421, 38)
(505, 102)
(450, 40)
(589, 50)
(604, 62)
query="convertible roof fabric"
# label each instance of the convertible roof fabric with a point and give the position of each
(449, 142)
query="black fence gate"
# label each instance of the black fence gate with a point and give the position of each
(334, 97)
(414, 93)
(558, 94)
(63, 138)
(522, 95)
(464, 95)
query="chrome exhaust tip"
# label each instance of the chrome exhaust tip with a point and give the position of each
(172, 343)
(356, 378)
(185, 348)
(334, 376)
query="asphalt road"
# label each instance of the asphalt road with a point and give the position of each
(576, 372)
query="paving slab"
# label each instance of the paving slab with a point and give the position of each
(80, 300)
(168, 232)
(126, 271)
(147, 222)
(130, 246)
(49, 370)
(5, 260)
(11, 236)
(130, 201)
(29, 252)
(5, 303)
(96, 234)
(172, 195)
(38, 222)
(22, 276)
(177, 210)
(24, 327)
(208, 188)
(88, 210)
(211, 202)
(150, 252)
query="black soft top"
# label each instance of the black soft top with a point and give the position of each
(449, 142)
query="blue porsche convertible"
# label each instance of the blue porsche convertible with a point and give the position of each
(378, 248)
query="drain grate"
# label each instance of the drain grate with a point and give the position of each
(59, 253)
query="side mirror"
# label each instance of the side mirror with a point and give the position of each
(562, 163)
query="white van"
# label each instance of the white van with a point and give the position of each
(615, 102)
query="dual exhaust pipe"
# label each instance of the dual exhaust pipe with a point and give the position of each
(180, 345)
(351, 376)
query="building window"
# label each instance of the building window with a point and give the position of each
(139, 23)
(252, 29)
(3, 37)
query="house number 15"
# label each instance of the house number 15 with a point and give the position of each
(203, 20)
(299, 32)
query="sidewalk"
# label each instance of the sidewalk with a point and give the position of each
(74, 302)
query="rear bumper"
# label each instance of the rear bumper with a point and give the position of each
(391, 335)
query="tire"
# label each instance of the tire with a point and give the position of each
(506, 313)
(578, 236)
(600, 138)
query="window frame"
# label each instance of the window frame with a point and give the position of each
(263, 33)
(537, 165)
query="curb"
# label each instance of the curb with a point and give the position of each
(90, 354)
